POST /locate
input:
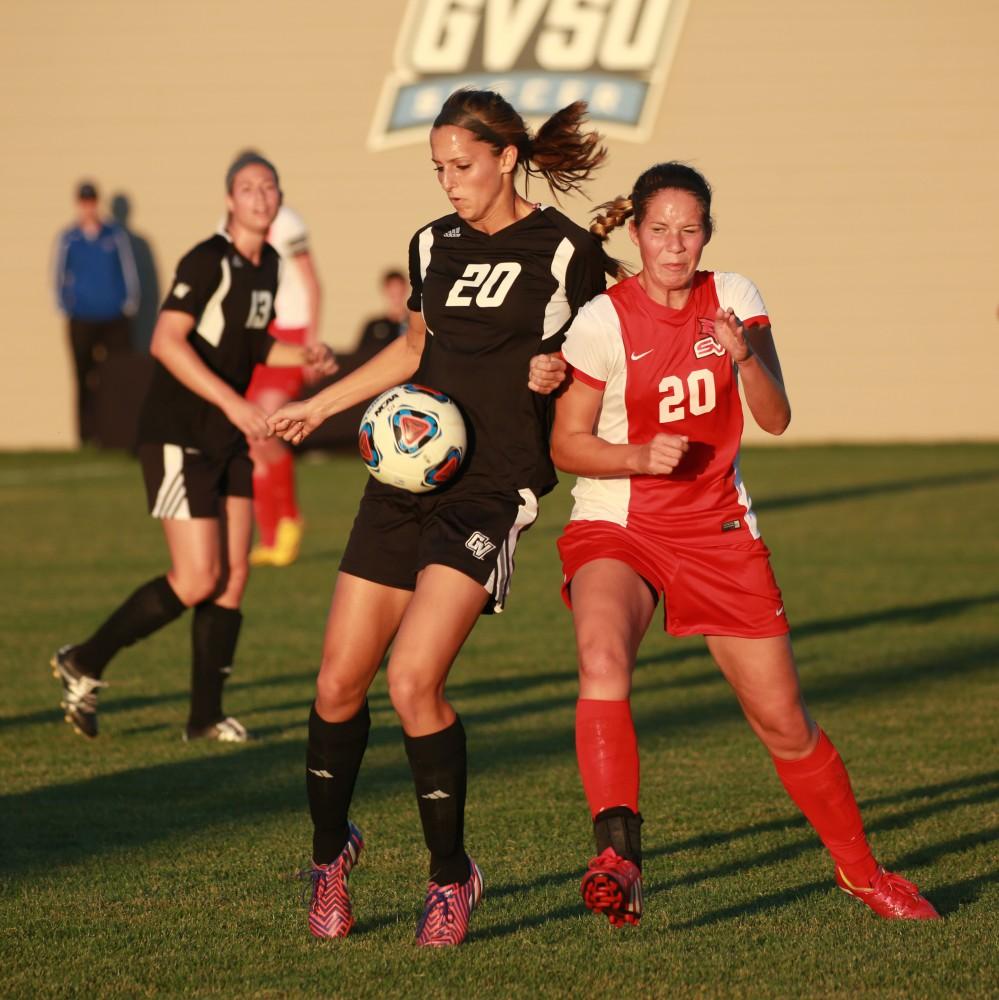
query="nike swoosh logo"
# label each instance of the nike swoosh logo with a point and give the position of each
(638, 357)
(780, 611)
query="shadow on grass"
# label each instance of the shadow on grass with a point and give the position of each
(230, 786)
(865, 490)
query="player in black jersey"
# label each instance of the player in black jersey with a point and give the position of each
(493, 284)
(193, 434)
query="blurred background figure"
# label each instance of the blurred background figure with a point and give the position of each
(297, 308)
(380, 330)
(97, 288)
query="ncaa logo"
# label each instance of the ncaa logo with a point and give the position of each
(540, 54)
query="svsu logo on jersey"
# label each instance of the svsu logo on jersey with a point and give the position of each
(540, 54)
(707, 344)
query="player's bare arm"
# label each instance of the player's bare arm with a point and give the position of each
(171, 348)
(546, 373)
(318, 357)
(394, 364)
(753, 350)
(575, 448)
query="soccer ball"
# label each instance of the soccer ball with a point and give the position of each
(413, 437)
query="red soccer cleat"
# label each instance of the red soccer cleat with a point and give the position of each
(330, 914)
(447, 909)
(890, 896)
(613, 885)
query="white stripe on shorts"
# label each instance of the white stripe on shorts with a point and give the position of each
(171, 499)
(498, 583)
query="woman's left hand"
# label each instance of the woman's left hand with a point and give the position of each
(731, 334)
(319, 361)
(546, 373)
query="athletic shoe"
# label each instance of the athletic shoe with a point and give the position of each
(79, 692)
(613, 885)
(262, 555)
(330, 914)
(891, 896)
(287, 541)
(227, 730)
(447, 909)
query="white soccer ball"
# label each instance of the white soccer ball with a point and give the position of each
(413, 437)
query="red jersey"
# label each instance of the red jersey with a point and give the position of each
(661, 370)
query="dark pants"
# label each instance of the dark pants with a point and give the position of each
(93, 342)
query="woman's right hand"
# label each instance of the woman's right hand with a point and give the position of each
(294, 422)
(661, 455)
(249, 418)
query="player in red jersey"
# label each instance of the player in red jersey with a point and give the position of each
(651, 423)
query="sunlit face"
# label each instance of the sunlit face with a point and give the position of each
(254, 199)
(671, 238)
(468, 170)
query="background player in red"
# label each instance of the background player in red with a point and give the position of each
(493, 283)
(651, 423)
(193, 434)
(296, 321)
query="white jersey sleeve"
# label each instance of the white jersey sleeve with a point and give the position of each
(593, 343)
(288, 233)
(290, 237)
(738, 293)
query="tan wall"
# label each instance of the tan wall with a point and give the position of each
(853, 146)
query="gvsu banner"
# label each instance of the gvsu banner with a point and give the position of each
(540, 54)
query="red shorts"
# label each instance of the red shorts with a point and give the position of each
(288, 381)
(712, 583)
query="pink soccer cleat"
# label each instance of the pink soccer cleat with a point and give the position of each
(447, 909)
(330, 914)
(890, 896)
(613, 885)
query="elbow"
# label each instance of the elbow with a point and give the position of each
(781, 422)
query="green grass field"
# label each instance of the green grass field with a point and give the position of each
(140, 866)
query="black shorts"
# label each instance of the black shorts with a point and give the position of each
(396, 534)
(183, 482)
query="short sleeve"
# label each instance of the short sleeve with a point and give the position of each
(586, 277)
(198, 275)
(738, 293)
(592, 342)
(289, 234)
(415, 301)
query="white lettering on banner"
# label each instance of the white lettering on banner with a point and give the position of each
(540, 54)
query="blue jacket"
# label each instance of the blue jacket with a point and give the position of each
(96, 278)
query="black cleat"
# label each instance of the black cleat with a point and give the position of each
(79, 692)
(227, 730)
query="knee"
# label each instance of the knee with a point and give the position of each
(603, 665)
(235, 578)
(788, 733)
(409, 693)
(338, 696)
(193, 586)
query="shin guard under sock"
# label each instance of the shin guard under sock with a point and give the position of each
(607, 752)
(148, 609)
(820, 787)
(620, 828)
(440, 773)
(332, 761)
(214, 634)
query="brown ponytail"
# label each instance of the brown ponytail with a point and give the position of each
(561, 152)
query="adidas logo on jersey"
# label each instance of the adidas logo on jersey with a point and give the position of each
(454, 232)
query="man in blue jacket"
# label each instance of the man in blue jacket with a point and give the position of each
(97, 288)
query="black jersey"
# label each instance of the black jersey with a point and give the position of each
(232, 302)
(490, 303)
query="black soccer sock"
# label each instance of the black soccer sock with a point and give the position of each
(332, 761)
(621, 829)
(440, 773)
(151, 607)
(214, 634)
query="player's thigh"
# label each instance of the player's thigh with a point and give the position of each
(763, 674)
(195, 551)
(236, 531)
(362, 620)
(444, 608)
(612, 606)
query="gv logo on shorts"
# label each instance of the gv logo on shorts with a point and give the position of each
(479, 545)
(540, 54)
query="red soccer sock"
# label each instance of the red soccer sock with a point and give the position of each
(607, 751)
(820, 787)
(264, 510)
(282, 474)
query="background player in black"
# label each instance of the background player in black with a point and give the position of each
(493, 283)
(211, 331)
